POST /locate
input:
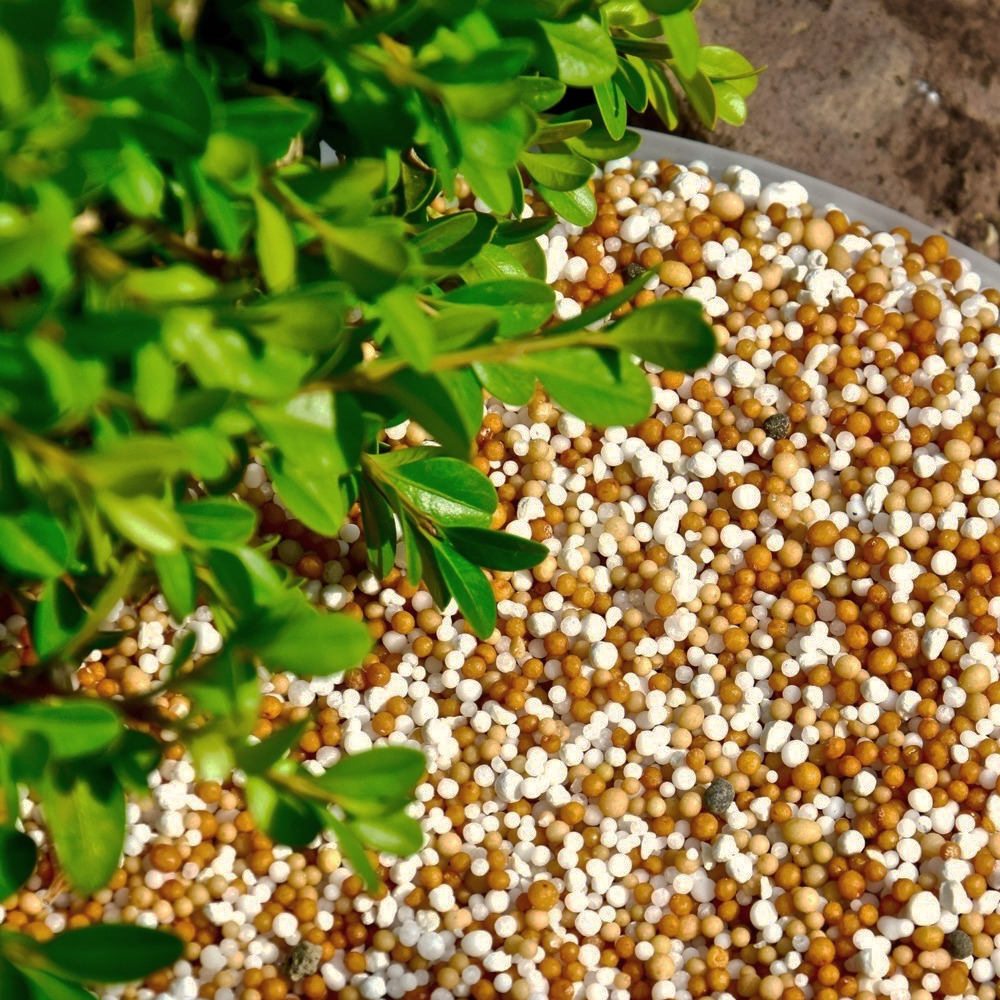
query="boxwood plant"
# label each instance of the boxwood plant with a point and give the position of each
(186, 284)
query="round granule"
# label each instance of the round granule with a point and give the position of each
(804, 609)
(958, 944)
(777, 426)
(719, 796)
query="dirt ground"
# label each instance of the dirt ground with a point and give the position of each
(898, 100)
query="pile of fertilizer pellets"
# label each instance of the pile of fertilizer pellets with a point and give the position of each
(736, 737)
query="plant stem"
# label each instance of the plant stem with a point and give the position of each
(367, 376)
(145, 39)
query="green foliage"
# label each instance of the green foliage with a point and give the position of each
(185, 284)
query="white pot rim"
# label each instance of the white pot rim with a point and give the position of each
(658, 145)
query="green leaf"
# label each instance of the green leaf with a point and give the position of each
(311, 643)
(497, 262)
(582, 51)
(139, 184)
(732, 106)
(85, 815)
(681, 32)
(672, 334)
(380, 775)
(73, 727)
(275, 245)
(10, 797)
(551, 132)
(212, 754)
(419, 187)
(145, 521)
(523, 230)
(309, 319)
(354, 851)
(257, 758)
(176, 578)
(598, 144)
(407, 326)
(722, 64)
(540, 92)
(558, 171)
(379, 529)
(138, 463)
(45, 986)
(447, 491)
(12, 983)
(578, 207)
(598, 386)
(439, 404)
(135, 757)
(661, 94)
(611, 101)
(270, 123)
(469, 586)
(506, 383)
(58, 617)
(632, 85)
(371, 258)
(669, 6)
(219, 520)
(522, 304)
(225, 687)
(18, 856)
(155, 384)
(312, 501)
(701, 94)
(34, 544)
(411, 549)
(397, 833)
(496, 549)
(285, 818)
(112, 953)
(451, 241)
(605, 307)
(176, 283)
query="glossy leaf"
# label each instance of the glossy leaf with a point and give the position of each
(600, 387)
(382, 774)
(85, 814)
(259, 757)
(582, 52)
(354, 850)
(469, 586)
(681, 32)
(73, 727)
(284, 817)
(672, 334)
(177, 581)
(496, 549)
(312, 643)
(578, 207)
(397, 833)
(448, 492)
(219, 520)
(407, 326)
(45, 986)
(34, 544)
(146, 522)
(521, 304)
(379, 529)
(275, 246)
(18, 856)
(58, 617)
(558, 171)
(611, 101)
(112, 953)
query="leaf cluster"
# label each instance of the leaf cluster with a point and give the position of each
(190, 281)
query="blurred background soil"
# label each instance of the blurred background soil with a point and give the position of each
(898, 100)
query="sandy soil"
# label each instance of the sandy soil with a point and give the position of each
(898, 100)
